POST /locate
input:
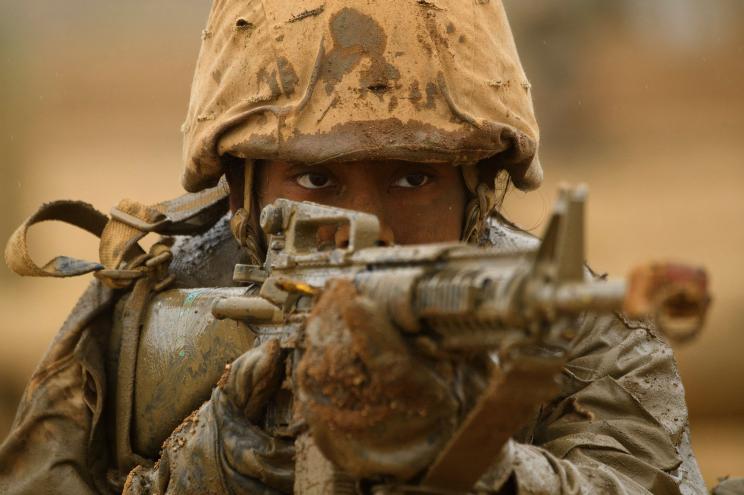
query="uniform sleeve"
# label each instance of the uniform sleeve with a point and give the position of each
(53, 445)
(618, 427)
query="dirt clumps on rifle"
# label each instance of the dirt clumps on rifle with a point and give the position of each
(338, 368)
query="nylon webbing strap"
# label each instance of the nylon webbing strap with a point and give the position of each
(507, 405)
(130, 221)
(131, 321)
(75, 213)
(187, 214)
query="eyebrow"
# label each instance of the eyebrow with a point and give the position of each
(303, 167)
(425, 167)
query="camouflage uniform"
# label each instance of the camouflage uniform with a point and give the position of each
(431, 81)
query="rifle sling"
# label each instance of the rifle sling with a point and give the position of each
(508, 403)
(130, 221)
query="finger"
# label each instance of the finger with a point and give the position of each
(254, 377)
(277, 465)
(344, 316)
(265, 378)
(255, 454)
(371, 327)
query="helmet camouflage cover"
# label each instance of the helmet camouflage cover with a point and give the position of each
(436, 81)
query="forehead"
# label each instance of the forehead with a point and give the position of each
(359, 166)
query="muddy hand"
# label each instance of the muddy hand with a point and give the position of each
(218, 448)
(372, 406)
(244, 392)
(252, 378)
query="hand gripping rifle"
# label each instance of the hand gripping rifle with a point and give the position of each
(455, 298)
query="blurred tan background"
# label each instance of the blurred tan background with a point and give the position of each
(643, 101)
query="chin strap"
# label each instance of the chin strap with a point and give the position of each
(477, 211)
(484, 200)
(243, 223)
(122, 260)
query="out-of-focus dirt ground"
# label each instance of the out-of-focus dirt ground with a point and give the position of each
(643, 101)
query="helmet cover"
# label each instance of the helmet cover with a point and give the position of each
(434, 81)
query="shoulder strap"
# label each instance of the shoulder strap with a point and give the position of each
(130, 221)
(189, 214)
(76, 213)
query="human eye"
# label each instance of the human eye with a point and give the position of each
(315, 180)
(413, 180)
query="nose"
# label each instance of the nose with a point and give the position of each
(363, 194)
(386, 238)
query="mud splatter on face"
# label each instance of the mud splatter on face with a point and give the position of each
(356, 35)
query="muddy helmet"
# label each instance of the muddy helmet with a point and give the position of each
(435, 81)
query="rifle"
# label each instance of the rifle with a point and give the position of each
(456, 299)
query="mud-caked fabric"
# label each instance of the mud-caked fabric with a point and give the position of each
(619, 425)
(206, 260)
(219, 448)
(730, 486)
(55, 443)
(436, 81)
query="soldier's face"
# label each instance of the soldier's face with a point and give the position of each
(415, 202)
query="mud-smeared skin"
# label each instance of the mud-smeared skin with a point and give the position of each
(355, 36)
